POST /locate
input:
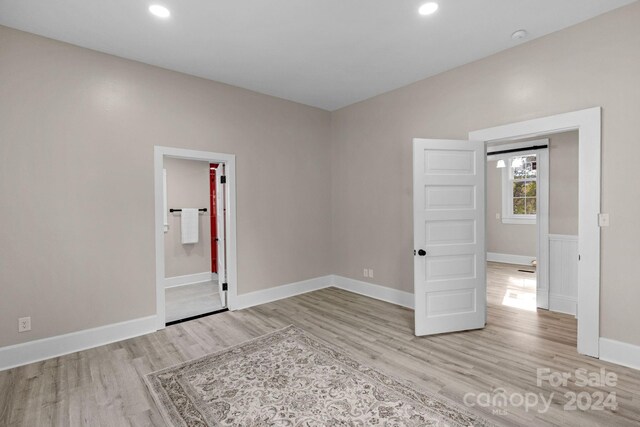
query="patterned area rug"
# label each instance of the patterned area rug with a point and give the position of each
(290, 378)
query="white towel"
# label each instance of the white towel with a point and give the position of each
(189, 226)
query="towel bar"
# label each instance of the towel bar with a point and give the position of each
(180, 210)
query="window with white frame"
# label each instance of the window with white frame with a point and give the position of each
(519, 189)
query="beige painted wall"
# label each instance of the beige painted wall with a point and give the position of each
(77, 130)
(563, 183)
(187, 187)
(592, 64)
(521, 239)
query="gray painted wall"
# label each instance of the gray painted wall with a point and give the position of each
(187, 187)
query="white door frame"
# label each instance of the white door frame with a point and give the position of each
(588, 124)
(221, 235)
(229, 161)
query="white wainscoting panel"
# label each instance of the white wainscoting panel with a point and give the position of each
(563, 273)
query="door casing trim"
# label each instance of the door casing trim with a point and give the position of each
(229, 161)
(588, 124)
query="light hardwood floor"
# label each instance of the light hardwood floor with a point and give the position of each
(186, 301)
(103, 386)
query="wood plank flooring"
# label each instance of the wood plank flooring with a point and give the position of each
(186, 301)
(103, 386)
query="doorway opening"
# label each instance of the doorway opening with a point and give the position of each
(195, 234)
(192, 283)
(516, 202)
(584, 268)
(532, 234)
(532, 221)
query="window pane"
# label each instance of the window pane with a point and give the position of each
(519, 189)
(530, 171)
(530, 190)
(523, 167)
(531, 206)
(519, 173)
(523, 174)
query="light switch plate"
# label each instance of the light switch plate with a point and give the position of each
(370, 273)
(603, 220)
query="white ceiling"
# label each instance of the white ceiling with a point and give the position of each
(325, 53)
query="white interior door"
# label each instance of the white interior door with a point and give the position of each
(449, 235)
(220, 226)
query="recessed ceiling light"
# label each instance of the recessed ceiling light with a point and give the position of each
(519, 35)
(428, 8)
(159, 11)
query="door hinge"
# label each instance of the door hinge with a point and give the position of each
(223, 179)
(224, 286)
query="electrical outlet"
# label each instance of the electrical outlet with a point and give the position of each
(365, 272)
(371, 273)
(24, 324)
(497, 216)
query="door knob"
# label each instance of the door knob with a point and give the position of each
(422, 252)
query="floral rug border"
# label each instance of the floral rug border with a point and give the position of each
(441, 407)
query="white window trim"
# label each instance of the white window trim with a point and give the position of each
(507, 195)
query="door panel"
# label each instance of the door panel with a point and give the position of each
(221, 230)
(447, 232)
(449, 197)
(451, 302)
(449, 226)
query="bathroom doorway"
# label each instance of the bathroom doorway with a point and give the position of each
(195, 234)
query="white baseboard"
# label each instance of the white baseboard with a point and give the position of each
(46, 348)
(34, 351)
(542, 298)
(568, 237)
(394, 296)
(371, 290)
(279, 292)
(189, 279)
(563, 304)
(620, 353)
(510, 259)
